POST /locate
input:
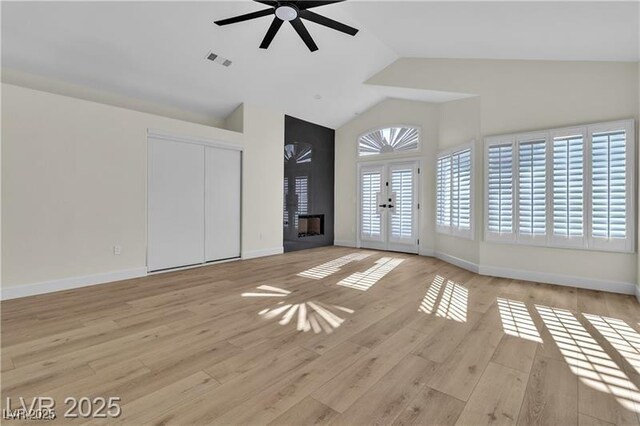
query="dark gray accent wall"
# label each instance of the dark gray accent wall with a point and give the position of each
(309, 159)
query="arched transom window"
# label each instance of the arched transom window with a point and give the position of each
(389, 140)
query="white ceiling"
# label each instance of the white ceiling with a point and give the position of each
(155, 51)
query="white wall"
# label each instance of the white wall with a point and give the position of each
(388, 112)
(527, 95)
(263, 174)
(37, 82)
(74, 178)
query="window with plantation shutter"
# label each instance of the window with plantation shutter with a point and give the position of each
(611, 179)
(532, 189)
(461, 190)
(402, 217)
(453, 192)
(389, 140)
(370, 219)
(302, 191)
(500, 191)
(286, 195)
(443, 190)
(570, 187)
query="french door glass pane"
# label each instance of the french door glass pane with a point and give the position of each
(371, 182)
(402, 219)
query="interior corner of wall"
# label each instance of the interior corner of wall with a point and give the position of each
(235, 120)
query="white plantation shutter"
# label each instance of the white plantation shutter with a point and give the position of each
(453, 192)
(568, 188)
(461, 190)
(532, 188)
(302, 190)
(402, 218)
(578, 192)
(286, 195)
(500, 191)
(610, 188)
(370, 188)
(444, 191)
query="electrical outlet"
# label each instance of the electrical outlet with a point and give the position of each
(117, 250)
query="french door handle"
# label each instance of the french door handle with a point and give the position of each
(382, 205)
(390, 206)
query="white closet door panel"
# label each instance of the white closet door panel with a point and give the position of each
(176, 204)
(222, 200)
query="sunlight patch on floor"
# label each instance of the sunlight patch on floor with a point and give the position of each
(328, 268)
(516, 320)
(311, 316)
(429, 302)
(587, 359)
(267, 291)
(365, 280)
(308, 316)
(621, 336)
(452, 304)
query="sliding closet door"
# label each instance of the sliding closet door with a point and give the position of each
(222, 200)
(175, 204)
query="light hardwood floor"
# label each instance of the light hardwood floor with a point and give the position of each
(390, 339)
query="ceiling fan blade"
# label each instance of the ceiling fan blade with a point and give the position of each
(304, 34)
(271, 33)
(246, 17)
(322, 20)
(303, 5)
(267, 2)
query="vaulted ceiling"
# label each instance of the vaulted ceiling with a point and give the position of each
(155, 51)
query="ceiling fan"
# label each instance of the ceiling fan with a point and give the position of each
(292, 11)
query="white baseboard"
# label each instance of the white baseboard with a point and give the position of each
(344, 243)
(14, 292)
(566, 280)
(461, 263)
(424, 251)
(251, 254)
(542, 277)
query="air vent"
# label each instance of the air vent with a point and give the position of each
(218, 59)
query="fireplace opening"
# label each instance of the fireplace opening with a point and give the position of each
(310, 225)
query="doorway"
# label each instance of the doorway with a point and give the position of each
(388, 206)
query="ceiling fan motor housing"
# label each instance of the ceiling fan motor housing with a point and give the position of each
(287, 11)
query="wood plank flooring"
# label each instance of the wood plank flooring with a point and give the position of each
(310, 338)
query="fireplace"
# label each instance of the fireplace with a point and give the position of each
(310, 225)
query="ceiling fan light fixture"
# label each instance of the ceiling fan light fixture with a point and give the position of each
(286, 13)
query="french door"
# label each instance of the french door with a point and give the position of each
(388, 206)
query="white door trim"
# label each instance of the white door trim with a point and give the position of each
(385, 165)
(157, 134)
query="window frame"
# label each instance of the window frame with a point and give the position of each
(490, 235)
(627, 244)
(522, 138)
(571, 242)
(587, 241)
(389, 155)
(450, 229)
